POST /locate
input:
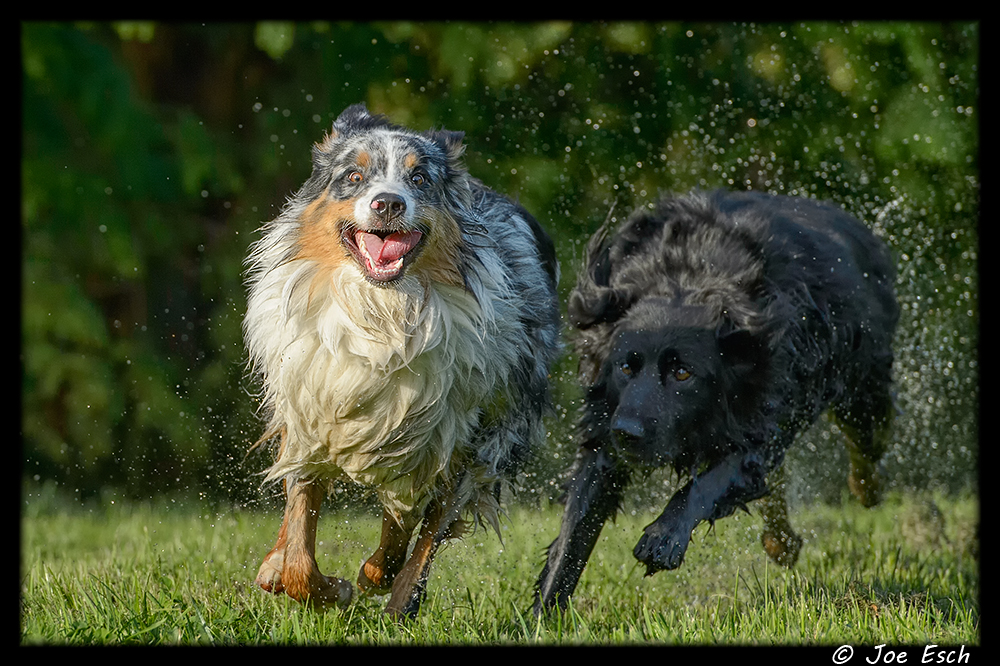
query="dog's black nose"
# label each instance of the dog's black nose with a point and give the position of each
(388, 205)
(628, 428)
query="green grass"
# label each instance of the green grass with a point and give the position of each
(906, 572)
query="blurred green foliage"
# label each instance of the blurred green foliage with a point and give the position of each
(151, 152)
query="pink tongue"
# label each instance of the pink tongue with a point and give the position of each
(392, 248)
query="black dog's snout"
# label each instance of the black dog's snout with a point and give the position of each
(388, 205)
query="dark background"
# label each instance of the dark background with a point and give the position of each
(151, 152)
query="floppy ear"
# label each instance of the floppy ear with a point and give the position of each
(746, 369)
(745, 358)
(738, 346)
(592, 301)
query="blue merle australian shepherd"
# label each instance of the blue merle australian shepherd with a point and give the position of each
(402, 319)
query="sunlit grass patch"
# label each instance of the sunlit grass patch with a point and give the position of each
(904, 572)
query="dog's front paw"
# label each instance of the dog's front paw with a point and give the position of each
(269, 574)
(662, 547)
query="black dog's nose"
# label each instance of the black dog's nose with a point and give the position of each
(628, 428)
(388, 205)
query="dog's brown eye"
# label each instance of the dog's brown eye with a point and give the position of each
(682, 375)
(631, 365)
(418, 179)
(356, 177)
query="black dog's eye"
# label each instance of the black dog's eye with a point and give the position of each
(418, 179)
(631, 365)
(672, 368)
(355, 176)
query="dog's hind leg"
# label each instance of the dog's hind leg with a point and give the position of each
(410, 584)
(866, 444)
(593, 495)
(865, 421)
(378, 572)
(291, 567)
(780, 541)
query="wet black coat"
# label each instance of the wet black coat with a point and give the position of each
(712, 328)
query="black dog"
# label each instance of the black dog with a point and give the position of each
(713, 329)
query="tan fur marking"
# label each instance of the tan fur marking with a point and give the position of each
(363, 160)
(320, 238)
(410, 160)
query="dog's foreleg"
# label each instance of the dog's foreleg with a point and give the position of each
(378, 572)
(593, 496)
(738, 479)
(291, 566)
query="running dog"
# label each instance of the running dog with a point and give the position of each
(712, 329)
(402, 319)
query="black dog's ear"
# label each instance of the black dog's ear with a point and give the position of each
(592, 301)
(746, 369)
(737, 344)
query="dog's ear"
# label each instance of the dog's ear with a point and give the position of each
(357, 118)
(450, 142)
(354, 114)
(592, 300)
(738, 346)
(746, 369)
(589, 307)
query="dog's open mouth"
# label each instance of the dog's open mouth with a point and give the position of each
(382, 255)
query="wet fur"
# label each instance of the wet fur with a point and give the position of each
(712, 329)
(423, 377)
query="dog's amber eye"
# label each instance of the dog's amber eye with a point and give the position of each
(631, 365)
(682, 375)
(418, 179)
(356, 177)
